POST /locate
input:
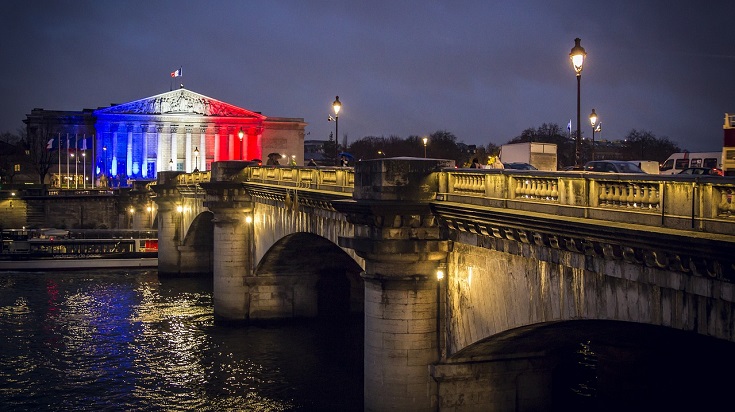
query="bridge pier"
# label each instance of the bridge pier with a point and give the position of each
(169, 222)
(233, 240)
(397, 235)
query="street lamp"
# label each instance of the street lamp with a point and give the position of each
(337, 106)
(171, 164)
(382, 153)
(426, 140)
(196, 157)
(593, 122)
(577, 55)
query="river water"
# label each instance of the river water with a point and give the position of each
(117, 340)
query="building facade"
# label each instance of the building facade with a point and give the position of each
(177, 130)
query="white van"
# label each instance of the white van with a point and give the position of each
(680, 161)
(649, 166)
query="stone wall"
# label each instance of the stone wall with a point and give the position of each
(94, 212)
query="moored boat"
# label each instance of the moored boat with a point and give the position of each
(42, 249)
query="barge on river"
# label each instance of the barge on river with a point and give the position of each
(57, 249)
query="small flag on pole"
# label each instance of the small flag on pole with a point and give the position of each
(177, 73)
(569, 126)
(50, 144)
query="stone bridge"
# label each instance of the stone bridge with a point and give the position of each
(470, 281)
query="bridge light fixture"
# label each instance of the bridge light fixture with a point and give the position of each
(441, 271)
(426, 140)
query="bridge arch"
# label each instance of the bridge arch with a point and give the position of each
(197, 246)
(596, 365)
(305, 275)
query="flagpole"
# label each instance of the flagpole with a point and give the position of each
(84, 156)
(94, 160)
(68, 173)
(59, 170)
(76, 161)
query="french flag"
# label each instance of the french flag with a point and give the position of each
(176, 73)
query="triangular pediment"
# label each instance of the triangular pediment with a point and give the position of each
(180, 101)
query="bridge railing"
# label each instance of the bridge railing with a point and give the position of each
(332, 179)
(689, 203)
(194, 178)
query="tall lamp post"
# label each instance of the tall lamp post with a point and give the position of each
(426, 140)
(593, 122)
(577, 55)
(336, 105)
(84, 156)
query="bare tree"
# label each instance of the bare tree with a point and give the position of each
(36, 142)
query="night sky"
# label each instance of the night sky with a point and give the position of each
(483, 70)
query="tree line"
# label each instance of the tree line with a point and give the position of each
(636, 145)
(31, 154)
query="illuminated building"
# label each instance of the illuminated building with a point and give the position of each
(170, 131)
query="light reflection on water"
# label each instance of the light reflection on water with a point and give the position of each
(127, 340)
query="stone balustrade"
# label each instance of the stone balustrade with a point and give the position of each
(332, 179)
(696, 203)
(688, 203)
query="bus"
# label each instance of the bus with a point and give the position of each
(679, 161)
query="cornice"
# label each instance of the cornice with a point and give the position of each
(690, 252)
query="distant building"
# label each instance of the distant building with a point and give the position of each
(314, 149)
(177, 130)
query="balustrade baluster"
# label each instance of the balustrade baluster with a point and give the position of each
(604, 196)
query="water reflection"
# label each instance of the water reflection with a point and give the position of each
(127, 340)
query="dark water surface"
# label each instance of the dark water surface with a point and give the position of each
(127, 340)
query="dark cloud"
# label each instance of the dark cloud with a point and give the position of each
(483, 70)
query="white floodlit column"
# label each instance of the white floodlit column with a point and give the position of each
(174, 154)
(129, 152)
(188, 149)
(203, 149)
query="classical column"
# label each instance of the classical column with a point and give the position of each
(129, 151)
(216, 144)
(399, 238)
(144, 154)
(244, 145)
(188, 149)
(113, 169)
(160, 158)
(230, 143)
(233, 257)
(202, 149)
(174, 147)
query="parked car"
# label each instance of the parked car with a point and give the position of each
(519, 166)
(708, 171)
(612, 166)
